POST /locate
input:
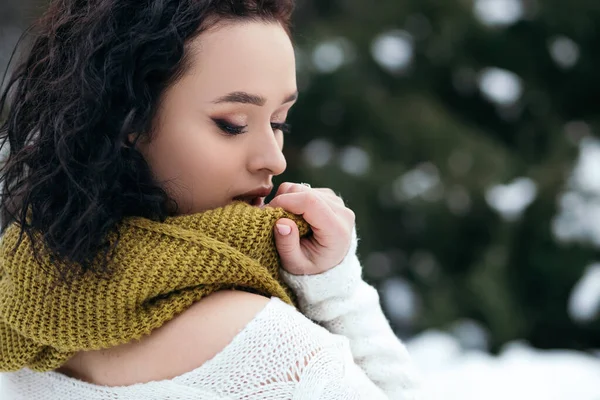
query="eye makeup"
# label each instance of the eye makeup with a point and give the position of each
(234, 129)
(229, 128)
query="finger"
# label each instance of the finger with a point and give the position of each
(330, 195)
(287, 241)
(338, 206)
(291, 187)
(344, 214)
(285, 187)
(327, 194)
(315, 210)
(331, 198)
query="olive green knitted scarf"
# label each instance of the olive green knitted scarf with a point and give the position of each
(158, 270)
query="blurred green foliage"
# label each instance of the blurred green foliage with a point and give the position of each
(462, 258)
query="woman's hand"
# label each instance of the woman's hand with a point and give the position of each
(331, 222)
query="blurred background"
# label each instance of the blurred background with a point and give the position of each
(463, 133)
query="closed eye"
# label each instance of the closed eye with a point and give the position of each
(283, 127)
(229, 128)
(233, 129)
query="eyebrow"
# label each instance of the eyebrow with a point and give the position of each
(248, 98)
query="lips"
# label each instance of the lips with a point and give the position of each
(255, 197)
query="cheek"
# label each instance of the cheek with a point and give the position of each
(164, 155)
(194, 159)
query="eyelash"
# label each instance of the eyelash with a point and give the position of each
(282, 126)
(233, 130)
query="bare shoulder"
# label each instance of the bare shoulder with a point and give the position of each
(181, 345)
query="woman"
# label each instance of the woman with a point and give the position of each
(138, 258)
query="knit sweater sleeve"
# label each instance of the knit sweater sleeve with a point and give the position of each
(342, 302)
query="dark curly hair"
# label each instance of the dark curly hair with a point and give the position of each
(94, 76)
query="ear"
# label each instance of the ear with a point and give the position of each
(133, 139)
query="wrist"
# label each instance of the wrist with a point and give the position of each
(338, 281)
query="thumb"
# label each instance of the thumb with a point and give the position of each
(287, 241)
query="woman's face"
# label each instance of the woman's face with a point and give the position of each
(217, 135)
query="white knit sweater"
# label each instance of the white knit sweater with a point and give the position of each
(340, 347)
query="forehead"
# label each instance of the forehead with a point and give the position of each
(257, 57)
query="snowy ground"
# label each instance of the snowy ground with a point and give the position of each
(518, 373)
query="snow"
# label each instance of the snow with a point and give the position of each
(399, 299)
(393, 50)
(500, 86)
(498, 12)
(578, 218)
(512, 199)
(519, 372)
(564, 51)
(417, 182)
(584, 303)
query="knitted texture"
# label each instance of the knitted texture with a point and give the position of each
(279, 355)
(157, 271)
(340, 348)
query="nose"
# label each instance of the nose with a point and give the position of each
(266, 152)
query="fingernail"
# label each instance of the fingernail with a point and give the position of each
(283, 230)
